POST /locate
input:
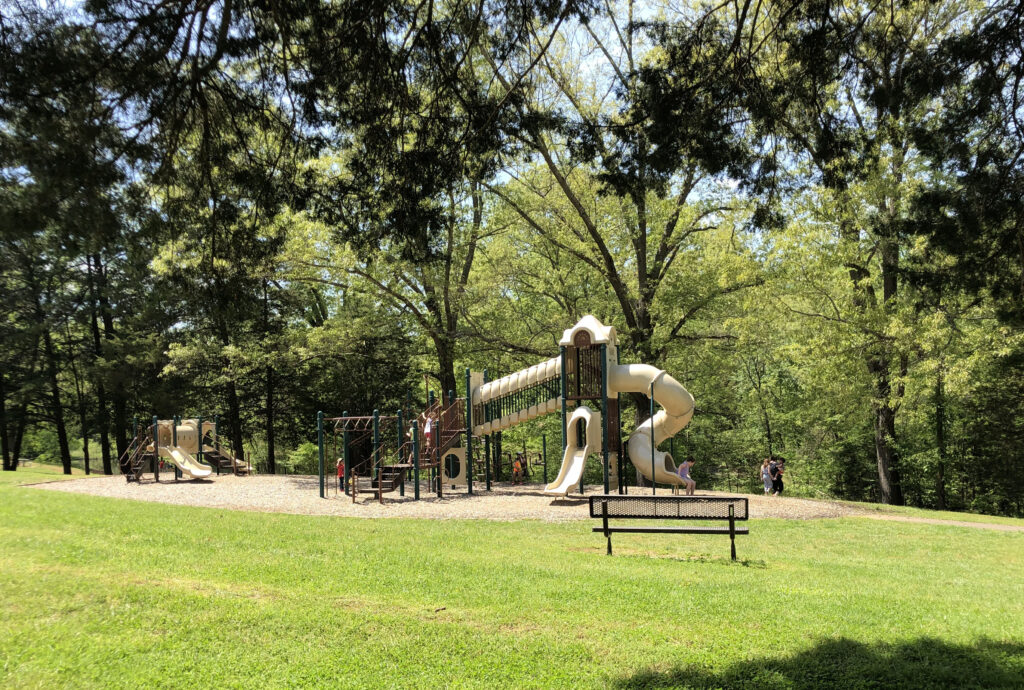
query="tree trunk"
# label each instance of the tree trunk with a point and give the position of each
(58, 408)
(885, 434)
(118, 395)
(445, 363)
(271, 464)
(19, 434)
(102, 415)
(83, 421)
(940, 442)
(3, 423)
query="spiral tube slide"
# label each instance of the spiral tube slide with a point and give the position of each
(677, 410)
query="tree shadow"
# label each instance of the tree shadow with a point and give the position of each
(846, 663)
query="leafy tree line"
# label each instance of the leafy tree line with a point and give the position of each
(809, 212)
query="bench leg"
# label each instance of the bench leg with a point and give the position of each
(604, 520)
(732, 530)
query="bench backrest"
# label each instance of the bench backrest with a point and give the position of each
(669, 507)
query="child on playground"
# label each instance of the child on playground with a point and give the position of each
(517, 470)
(684, 473)
(341, 475)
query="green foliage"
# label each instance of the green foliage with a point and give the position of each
(303, 460)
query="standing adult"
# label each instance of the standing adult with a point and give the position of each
(780, 468)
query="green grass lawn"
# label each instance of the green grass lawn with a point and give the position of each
(106, 593)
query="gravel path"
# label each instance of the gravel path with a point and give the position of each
(299, 495)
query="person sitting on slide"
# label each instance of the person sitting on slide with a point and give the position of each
(684, 473)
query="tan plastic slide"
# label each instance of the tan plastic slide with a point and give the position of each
(188, 465)
(575, 458)
(678, 406)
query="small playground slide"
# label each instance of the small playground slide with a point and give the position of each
(678, 406)
(188, 465)
(575, 458)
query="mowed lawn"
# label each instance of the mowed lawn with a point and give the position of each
(99, 592)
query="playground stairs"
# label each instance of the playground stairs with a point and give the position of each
(133, 461)
(450, 420)
(223, 462)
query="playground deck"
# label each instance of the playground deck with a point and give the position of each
(298, 494)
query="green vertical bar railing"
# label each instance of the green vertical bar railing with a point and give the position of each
(469, 435)
(320, 450)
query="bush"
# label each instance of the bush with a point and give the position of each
(303, 460)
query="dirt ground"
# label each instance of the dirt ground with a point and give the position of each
(299, 495)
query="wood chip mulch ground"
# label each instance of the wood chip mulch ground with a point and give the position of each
(300, 495)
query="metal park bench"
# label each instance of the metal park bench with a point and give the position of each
(616, 506)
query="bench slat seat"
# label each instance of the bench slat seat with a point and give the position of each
(674, 530)
(625, 507)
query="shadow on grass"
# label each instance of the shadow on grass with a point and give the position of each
(845, 663)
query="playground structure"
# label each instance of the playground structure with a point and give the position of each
(583, 383)
(191, 454)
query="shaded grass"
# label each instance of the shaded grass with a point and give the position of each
(909, 511)
(35, 473)
(99, 592)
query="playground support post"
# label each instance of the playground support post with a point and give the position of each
(345, 457)
(562, 386)
(401, 435)
(415, 460)
(156, 449)
(320, 449)
(174, 441)
(604, 414)
(653, 488)
(487, 443)
(216, 439)
(201, 443)
(375, 475)
(469, 435)
(544, 447)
